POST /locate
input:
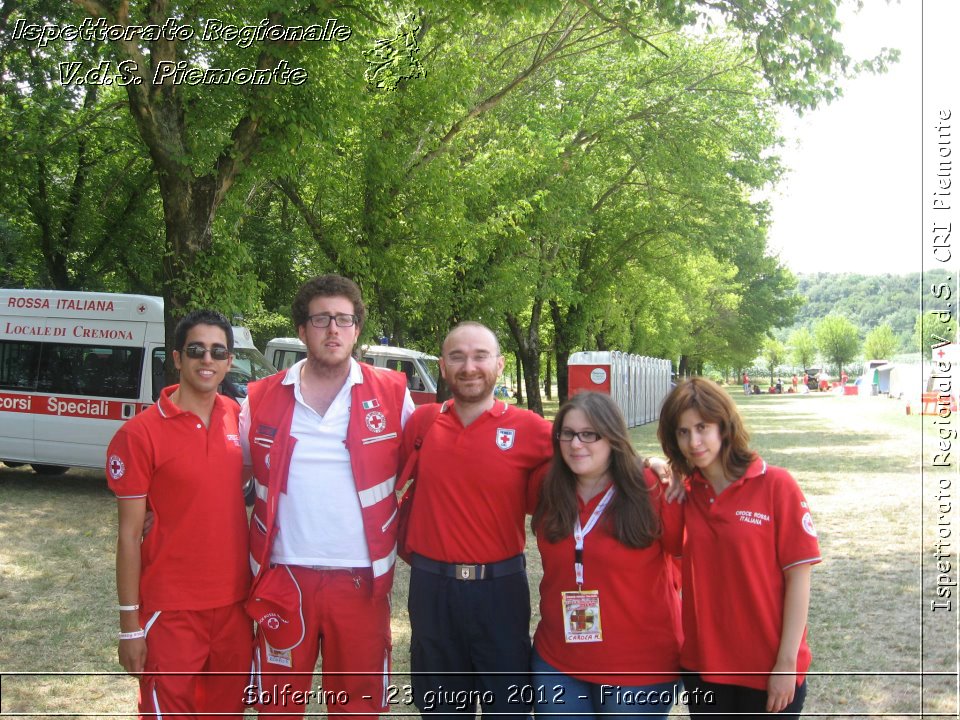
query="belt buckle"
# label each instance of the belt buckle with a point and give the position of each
(465, 572)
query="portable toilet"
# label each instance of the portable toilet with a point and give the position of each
(590, 370)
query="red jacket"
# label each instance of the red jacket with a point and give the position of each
(373, 440)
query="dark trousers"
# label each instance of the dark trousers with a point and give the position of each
(734, 701)
(470, 644)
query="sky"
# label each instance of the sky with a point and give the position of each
(852, 199)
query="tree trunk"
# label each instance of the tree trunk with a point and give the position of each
(563, 344)
(528, 351)
(519, 393)
(547, 385)
(682, 367)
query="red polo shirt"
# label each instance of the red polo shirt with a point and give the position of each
(737, 546)
(195, 555)
(472, 483)
(639, 607)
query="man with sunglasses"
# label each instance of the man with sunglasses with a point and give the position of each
(181, 587)
(323, 438)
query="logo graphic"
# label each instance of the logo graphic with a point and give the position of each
(808, 527)
(598, 376)
(272, 621)
(376, 421)
(370, 404)
(235, 439)
(116, 466)
(394, 60)
(505, 438)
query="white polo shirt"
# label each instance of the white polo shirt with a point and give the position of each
(319, 517)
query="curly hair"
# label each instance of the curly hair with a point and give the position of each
(327, 286)
(630, 517)
(714, 405)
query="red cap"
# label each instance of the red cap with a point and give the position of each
(275, 607)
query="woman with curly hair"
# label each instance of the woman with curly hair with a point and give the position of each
(747, 553)
(609, 635)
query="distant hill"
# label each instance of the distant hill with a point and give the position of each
(866, 300)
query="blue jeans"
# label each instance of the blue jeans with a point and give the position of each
(554, 692)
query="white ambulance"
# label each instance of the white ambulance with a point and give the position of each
(75, 365)
(422, 370)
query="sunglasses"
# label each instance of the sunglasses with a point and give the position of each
(196, 351)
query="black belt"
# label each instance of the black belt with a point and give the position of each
(510, 566)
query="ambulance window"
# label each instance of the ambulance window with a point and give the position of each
(156, 371)
(283, 359)
(97, 371)
(414, 382)
(18, 364)
(433, 369)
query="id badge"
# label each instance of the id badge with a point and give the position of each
(581, 616)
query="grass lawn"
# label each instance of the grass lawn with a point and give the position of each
(857, 459)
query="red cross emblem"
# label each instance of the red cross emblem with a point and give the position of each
(376, 421)
(505, 438)
(116, 467)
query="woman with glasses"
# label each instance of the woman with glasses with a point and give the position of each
(747, 553)
(609, 635)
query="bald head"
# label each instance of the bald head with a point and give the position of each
(470, 327)
(470, 362)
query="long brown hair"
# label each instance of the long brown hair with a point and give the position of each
(630, 517)
(714, 405)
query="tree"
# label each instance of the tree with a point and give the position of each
(80, 194)
(803, 348)
(774, 353)
(931, 330)
(880, 343)
(837, 340)
(519, 176)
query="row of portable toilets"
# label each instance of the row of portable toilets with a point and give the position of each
(638, 384)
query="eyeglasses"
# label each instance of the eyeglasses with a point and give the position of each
(196, 351)
(459, 358)
(584, 436)
(322, 320)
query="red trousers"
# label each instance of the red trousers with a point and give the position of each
(350, 629)
(207, 642)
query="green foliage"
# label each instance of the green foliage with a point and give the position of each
(837, 339)
(264, 326)
(931, 330)
(880, 343)
(515, 177)
(867, 300)
(774, 355)
(803, 348)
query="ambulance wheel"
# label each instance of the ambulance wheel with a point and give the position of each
(11, 464)
(49, 469)
(249, 492)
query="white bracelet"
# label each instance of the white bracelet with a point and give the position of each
(134, 635)
(128, 608)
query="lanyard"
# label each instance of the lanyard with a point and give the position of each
(580, 533)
